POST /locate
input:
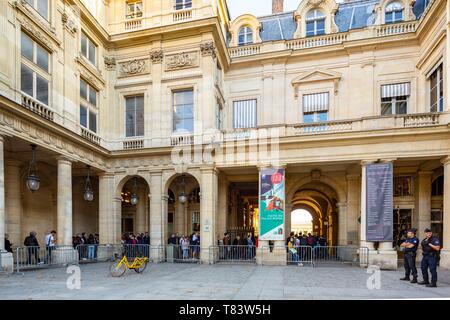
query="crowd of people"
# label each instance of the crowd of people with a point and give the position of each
(187, 247)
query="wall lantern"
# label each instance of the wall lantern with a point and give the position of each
(33, 181)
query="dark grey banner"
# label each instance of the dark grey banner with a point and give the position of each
(379, 198)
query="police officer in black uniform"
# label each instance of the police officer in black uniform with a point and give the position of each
(430, 248)
(410, 246)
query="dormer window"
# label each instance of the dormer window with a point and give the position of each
(245, 36)
(315, 23)
(394, 12)
(134, 9)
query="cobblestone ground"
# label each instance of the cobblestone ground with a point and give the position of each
(186, 282)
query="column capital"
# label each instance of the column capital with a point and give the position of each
(353, 176)
(425, 172)
(445, 161)
(364, 163)
(209, 168)
(341, 204)
(64, 159)
(106, 175)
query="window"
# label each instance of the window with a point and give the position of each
(244, 114)
(315, 107)
(41, 6)
(394, 98)
(134, 115)
(183, 111)
(315, 23)
(134, 9)
(219, 116)
(35, 69)
(183, 4)
(394, 12)
(403, 186)
(245, 36)
(88, 106)
(437, 90)
(88, 49)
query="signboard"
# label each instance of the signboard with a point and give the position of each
(271, 204)
(379, 202)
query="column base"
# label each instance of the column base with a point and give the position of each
(385, 259)
(444, 262)
(276, 257)
(64, 256)
(7, 262)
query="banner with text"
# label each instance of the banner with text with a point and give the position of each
(271, 204)
(379, 202)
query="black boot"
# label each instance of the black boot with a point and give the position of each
(423, 282)
(405, 278)
(414, 280)
(431, 285)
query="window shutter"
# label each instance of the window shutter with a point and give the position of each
(316, 102)
(244, 114)
(395, 90)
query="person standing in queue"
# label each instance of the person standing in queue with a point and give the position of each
(430, 248)
(410, 246)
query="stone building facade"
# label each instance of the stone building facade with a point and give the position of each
(125, 90)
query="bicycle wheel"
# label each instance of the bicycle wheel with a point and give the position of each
(141, 268)
(116, 270)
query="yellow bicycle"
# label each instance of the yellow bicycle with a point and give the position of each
(118, 268)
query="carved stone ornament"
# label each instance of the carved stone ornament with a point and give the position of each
(181, 60)
(132, 67)
(69, 23)
(315, 2)
(156, 56)
(28, 26)
(208, 49)
(110, 63)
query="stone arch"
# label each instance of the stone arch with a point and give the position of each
(380, 8)
(244, 20)
(331, 182)
(171, 178)
(328, 7)
(123, 180)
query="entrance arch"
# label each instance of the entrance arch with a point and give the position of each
(320, 200)
(133, 192)
(183, 210)
(301, 221)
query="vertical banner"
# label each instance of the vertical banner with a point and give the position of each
(271, 204)
(379, 202)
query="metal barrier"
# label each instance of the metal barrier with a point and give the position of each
(41, 257)
(232, 254)
(182, 253)
(330, 255)
(299, 255)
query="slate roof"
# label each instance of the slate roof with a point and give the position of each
(351, 15)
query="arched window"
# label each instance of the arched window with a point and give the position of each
(315, 23)
(245, 36)
(394, 12)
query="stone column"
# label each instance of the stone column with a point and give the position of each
(353, 211)
(107, 208)
(222, 213)
(2, 196)
(342, 223)
(156, 209)
(445, 246)
(64, 202)
(6, 258)
(288, 218)
(363, 242)
(180, 218)
(13, 202)
(422, 201)
(208, 211)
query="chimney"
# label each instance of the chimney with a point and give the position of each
(277, 6)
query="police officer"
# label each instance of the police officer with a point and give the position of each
(430, 248)
(410, 246)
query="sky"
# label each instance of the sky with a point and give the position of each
(257, 7)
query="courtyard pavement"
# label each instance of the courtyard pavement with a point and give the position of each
(227, 282)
